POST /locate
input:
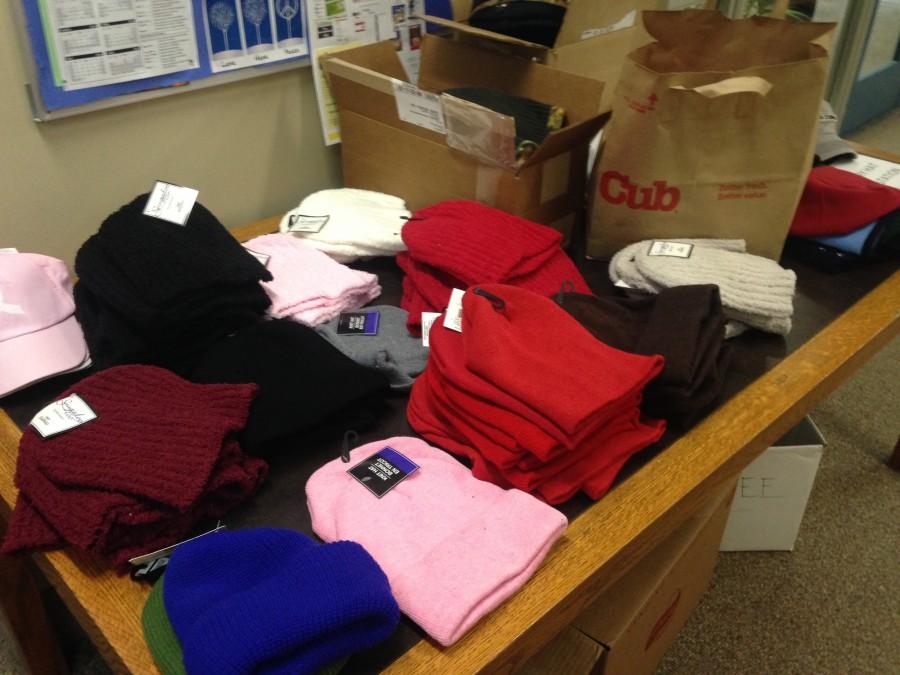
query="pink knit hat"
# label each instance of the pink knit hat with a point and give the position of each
(453, 547)
(308, 286)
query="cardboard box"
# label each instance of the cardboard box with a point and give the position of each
(593, 40)
(640, 617)
(772, 493)
(475, 158)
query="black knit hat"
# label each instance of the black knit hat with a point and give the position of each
(304, 382)
(685, 324)
(155, 292)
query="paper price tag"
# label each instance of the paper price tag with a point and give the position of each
(419, 107)
(626, 21)
(172, 203)
(262, 257)
(671, 249)
(63, 415)
(9, 250)
(453, 317)
(381, 472)
(301, 223)
(428, 318)
(358, 323)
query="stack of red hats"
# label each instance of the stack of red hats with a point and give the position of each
(455, 244)
(531, 397)
(159, 457)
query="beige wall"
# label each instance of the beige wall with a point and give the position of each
(253, 149)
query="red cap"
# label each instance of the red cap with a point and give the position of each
(835, 201)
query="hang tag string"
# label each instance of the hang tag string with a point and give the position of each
(497, 302)
(350, 438)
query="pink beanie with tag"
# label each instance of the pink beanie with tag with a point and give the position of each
(453, 547)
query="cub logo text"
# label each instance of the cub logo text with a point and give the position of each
(616, 188)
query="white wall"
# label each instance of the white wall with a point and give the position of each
(252, 148)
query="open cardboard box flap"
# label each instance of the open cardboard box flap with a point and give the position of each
(361, 81)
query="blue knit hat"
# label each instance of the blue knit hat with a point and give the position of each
(272, 601)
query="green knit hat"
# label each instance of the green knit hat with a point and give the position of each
(158, 633)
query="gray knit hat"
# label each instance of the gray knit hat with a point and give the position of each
(754, 290)
(392, 350)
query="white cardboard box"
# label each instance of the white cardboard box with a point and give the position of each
(772, 492)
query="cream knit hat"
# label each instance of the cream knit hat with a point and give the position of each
(354, 223)
(754, 290)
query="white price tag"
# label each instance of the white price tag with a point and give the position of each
(301, 223)
(418, 107)
(62, 415)
(9, 250)
(428, 318)
(453, 317)
(262, 257)
(672, 249)
(171, 202)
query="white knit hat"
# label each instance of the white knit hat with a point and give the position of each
(347, 223)
(754, 290)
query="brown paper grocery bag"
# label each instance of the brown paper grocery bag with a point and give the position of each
(712, 132)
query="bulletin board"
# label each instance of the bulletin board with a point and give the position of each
(247, 39)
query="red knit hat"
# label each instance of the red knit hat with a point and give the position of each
(835, 201)
(160, 456)
(460, 243)
(545, 420)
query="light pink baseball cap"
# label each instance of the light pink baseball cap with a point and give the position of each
(39, 335)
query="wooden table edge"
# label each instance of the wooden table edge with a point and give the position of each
(644, 509)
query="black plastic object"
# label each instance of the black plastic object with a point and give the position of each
(536, 21)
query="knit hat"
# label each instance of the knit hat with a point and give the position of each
(835, 201)
(271, 601)
(754, 290)
(460, 243)
(125, 483)
(392, 350)
(684, 324)
(547, 421)
(159, 635)
(303, 381)
(454, 548)
(347, 223)
(154, 292)
(308, 286)
(39, 336)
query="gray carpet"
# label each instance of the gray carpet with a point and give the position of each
(833, 604)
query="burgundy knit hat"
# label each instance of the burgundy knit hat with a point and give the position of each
(460, 243)
(160, 456)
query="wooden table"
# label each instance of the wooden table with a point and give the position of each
(609, 536)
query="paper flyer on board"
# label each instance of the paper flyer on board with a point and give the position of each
(335, 25)
(97, 42)
(242, 33)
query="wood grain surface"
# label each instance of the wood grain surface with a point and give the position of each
(600, 545)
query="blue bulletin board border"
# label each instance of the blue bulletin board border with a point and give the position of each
(55, 99)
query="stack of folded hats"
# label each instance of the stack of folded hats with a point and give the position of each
(151, 291)
(304, 383)
(454, 548)
(160, 456)
(392, 350)
(266, 601)
(307, 285)
(39, 335)
(347, 223)
(841, 211)
(755, 291)
(684, 324)
(455, 244)
(531, 397)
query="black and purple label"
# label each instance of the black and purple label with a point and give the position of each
(382, 471)
(358, 323)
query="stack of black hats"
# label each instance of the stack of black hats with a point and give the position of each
(154, 292)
